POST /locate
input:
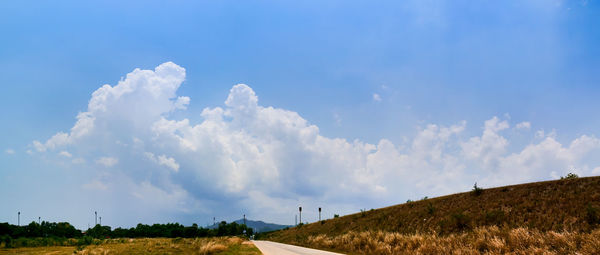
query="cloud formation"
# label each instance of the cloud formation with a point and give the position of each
(245, 156)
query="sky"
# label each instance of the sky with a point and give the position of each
(181, 111)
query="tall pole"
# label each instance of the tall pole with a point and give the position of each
(214, 221)
(300, 209)
(19, 219)
(40, 220)
(100, 220)
(244, 219)
(95, 218)
(319, 213)
(296, 219)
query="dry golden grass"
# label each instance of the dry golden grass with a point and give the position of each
(482, 240)
(559, 205)
(200, 246)
(551, 217)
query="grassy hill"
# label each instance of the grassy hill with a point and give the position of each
(570, 205)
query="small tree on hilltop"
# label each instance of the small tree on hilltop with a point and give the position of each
(569, 176)
(476, 190)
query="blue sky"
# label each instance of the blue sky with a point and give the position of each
(483, 87)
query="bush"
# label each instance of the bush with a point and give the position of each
(363, 212)
(7, 240)
(430, 209)
(86, 240)
(459, 221)
(569, 176)
(495, 217)
(336, 216)
(476, 191)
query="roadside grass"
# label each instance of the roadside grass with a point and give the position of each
(483, 240)
(200, 246)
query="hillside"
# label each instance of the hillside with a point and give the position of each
(561, 205)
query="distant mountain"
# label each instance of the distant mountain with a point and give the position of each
(258, 226)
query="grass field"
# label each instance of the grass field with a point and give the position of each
(552, 217)
(215, 245)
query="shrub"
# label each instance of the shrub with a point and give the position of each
(8, 241)
(476, 191)
(336, 216)
(569, 176)
(460, 221)
(495, 217)
(430, 209)
(86, 240)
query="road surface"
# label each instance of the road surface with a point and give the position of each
(273, 248)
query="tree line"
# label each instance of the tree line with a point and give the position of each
(66, 230)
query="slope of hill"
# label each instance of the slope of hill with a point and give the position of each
(571, 205)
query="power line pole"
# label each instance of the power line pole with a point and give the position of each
(100, 220)
(40, 220)
(296, 219)
(244, 219)
(300, 209)
(19, 219)
(95, 218)
(214, 221)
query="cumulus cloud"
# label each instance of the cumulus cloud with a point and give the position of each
(65, 154)
(9, 151)
(263, 158)
(523, 125)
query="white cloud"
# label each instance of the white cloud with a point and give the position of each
(9, 151)
(490, 146)
(65, 154)
(107, 161)
(376, 97)
(523, 125)
(245, 155)
(164, 161)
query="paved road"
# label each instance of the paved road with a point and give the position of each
(273, 248)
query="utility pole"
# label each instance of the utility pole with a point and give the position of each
(95, 218)
(100, 220)
(319, 213)
(296, 219)
(19, 219)
(214, 221)
(300, 209)
(40, 220)
(244, 219)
